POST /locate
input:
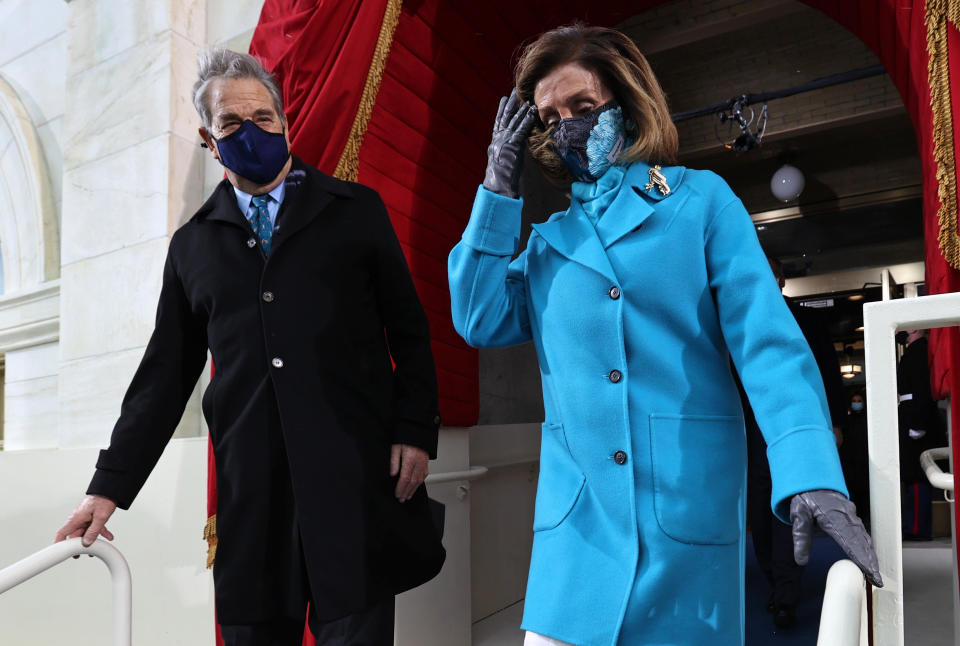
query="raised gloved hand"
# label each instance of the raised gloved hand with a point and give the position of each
(837, 516)
(505, 154)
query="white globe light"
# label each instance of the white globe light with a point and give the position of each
(787, 183)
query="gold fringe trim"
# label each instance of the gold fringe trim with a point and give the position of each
(210, 535)
(349, 162)
(939, 15)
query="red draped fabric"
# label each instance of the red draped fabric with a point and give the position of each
(449, 62)
(320, 50)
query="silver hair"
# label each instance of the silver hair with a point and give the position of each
(216, 62)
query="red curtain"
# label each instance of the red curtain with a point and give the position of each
(320, 51)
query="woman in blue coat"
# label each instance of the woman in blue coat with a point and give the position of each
(636, 298)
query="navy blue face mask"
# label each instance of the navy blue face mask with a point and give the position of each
(253, 153)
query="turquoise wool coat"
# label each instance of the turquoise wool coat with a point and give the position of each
(639, 521)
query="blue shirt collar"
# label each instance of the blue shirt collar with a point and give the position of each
(243, 198)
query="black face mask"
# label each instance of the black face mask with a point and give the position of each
(571, 136)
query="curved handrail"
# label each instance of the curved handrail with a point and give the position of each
(52, 555)
(935, 474)
(843, 618)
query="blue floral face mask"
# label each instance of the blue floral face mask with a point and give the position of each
(590, 144)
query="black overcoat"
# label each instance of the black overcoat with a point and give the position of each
(304, 404)
(918, 410)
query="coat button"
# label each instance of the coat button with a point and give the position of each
(268, 297)
(620, 457)
(614, 292)
(615, 376)
(277, 362)
(252, 242)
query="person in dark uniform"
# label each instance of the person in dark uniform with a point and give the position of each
(920, 429)
(772, 539)
(323, 408)
(854, 457)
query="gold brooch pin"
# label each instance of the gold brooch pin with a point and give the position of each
(659, 180)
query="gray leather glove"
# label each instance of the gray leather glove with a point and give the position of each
(837, 516)
(505, 153)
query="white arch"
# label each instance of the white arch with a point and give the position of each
(29, 230)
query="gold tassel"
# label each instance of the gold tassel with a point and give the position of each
(210, 535)
(939, 15)
(349, 163)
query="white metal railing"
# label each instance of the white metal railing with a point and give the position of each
(463, 477)
(881, 321)
(54, 554)
(456, 476)
(843, 618)
(936, 476)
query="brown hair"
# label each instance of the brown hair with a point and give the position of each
(623, 70)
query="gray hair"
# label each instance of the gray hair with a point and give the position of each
(216, 63)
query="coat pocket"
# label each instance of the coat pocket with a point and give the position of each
(561, 480)
(699, 476)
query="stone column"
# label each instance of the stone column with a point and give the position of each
(132, 172)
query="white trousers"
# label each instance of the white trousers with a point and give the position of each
(536, 639)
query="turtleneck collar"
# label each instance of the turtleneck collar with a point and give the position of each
(595, 197)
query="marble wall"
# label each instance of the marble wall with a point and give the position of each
(32, 93)
(130, 167)
(33, 59)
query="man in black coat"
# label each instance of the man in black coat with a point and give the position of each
(921, 428)
(323, 407)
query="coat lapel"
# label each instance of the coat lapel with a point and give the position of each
(308, 192)
(573, 236)
(222, 207)
(635, 201)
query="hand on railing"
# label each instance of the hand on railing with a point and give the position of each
(51, 555)
(837, 516)
(88, 520)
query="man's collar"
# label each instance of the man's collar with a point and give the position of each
(312, 192)
(243, 198)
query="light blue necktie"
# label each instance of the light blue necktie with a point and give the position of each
(261, 222)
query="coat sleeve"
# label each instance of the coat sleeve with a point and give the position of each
(772, 358)
(416, 420)
(487, 291)
(157, 396)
